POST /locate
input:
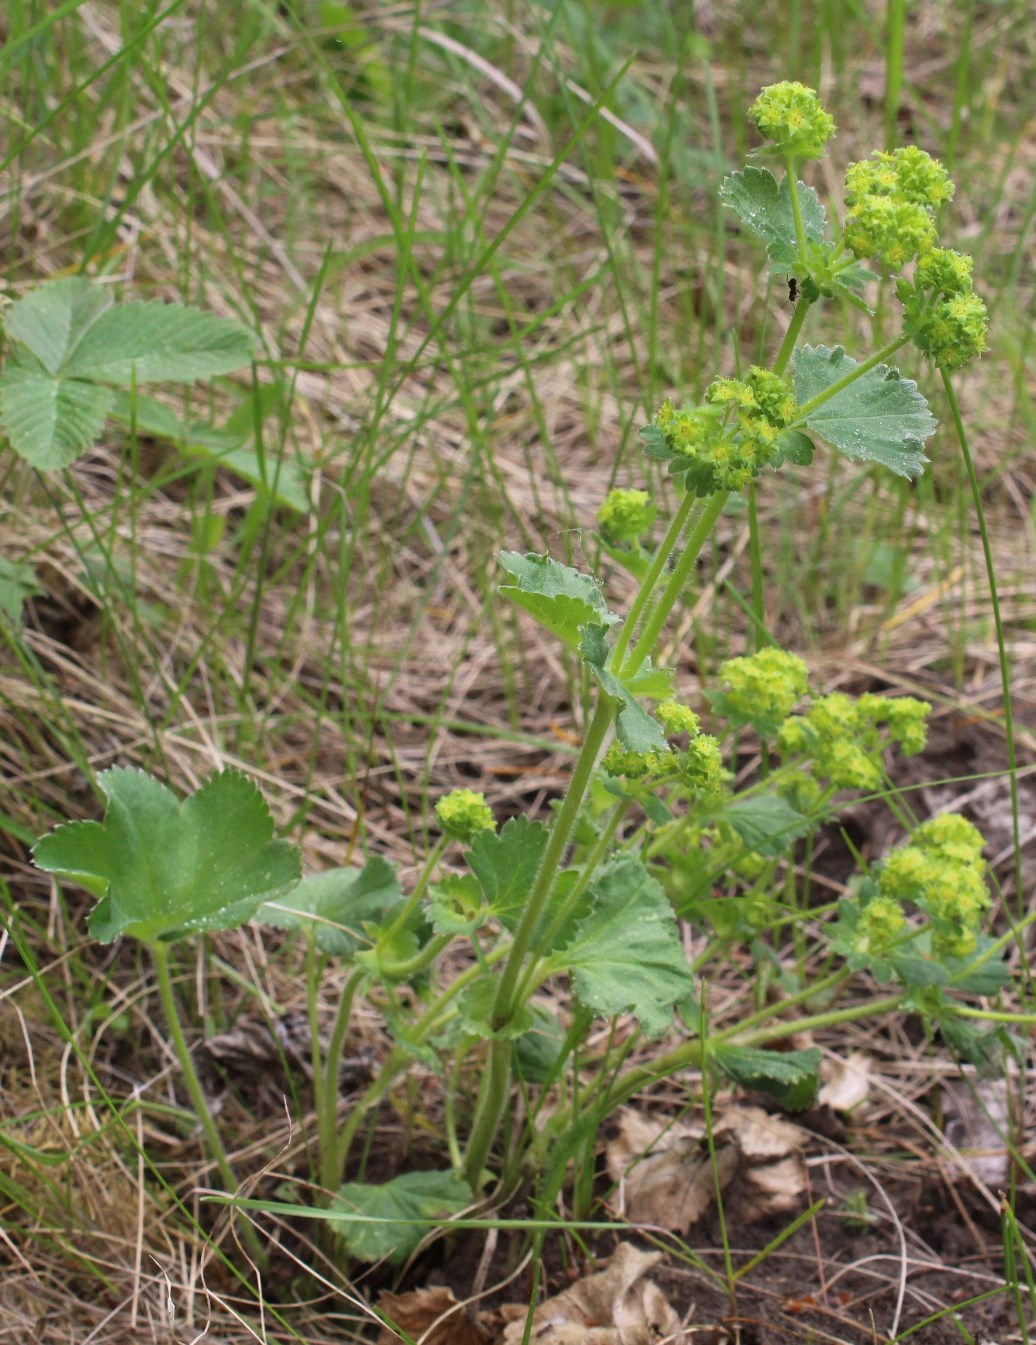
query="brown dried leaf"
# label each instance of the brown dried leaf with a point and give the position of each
(846, 1082)
(759, 1136)
(430, 1317)
(977, 1122)
(617, 1306)
(775, 1188)
(665, 1174)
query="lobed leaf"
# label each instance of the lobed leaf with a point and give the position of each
(156, 342)
(625, 955)
(765, 822)
(506, 866)
(336, 905)
(792, 1077)
(881, 417)
(386, 1222)
(558, 596)
(164, 869)
(765, 208)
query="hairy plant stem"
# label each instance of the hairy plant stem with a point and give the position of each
(331, 1175)
(650, 581)
(160, 954)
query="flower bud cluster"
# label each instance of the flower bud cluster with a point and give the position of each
(791, 115)
(625, 515)
(761, 689)
(844, 737)
(943, 315)
(463, 813)
(891, 200)
(699, 766)
(726, 443)
(942, 872)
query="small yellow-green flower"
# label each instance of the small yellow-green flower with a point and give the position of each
(625, 515)
(762, 688)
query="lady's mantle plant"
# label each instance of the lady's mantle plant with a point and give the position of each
(650, 831)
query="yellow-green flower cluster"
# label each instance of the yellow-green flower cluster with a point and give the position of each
(675, 717)
(726, 444)
(761, 688)
(891, 200)
(791, 115)
(844, 738)
(943, 315)
(701, 766)
(632, 765)
(942, 872)
(881, 922)
(463, 813)
(625, 515)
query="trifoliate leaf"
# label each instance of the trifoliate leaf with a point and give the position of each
(792, 1077)
(506, 866)
(765, 822)
(336, 905)
(636, 729)
(155, 342)
(765, 208)
(164, 868)
(558, 596)
(17, 583)
(50, 420)
(626, 955)
(386, 1223)
(53, 319)
(881, 417)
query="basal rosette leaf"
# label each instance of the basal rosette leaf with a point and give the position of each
(792, 1077)
(51, 320)
(625, 955)
(336, 905)
(558, 596)
(163, 868)
(386, 1222)
(880, 417)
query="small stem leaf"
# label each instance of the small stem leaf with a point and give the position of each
(155, 342)
(636, 729)
(338, 904)
(792, 1077)
(765, 822)
(879, 417)
(50, 421)
(506, 867)
(387, 1222)
(795, 447)
(625, 955)
(558, 596)
(765, 208)
(477, 1012)
(168, 869)
(54, 318)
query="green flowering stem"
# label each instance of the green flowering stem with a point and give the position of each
(327, 1100)
(407, 967)
(791, 336)
(1001, 643)
(681, 572)
(160, 954)
(414, 900)
(495, 1089)
(796, 210)
(886, 352)
(650, 581)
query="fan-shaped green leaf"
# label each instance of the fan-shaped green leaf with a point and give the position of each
(379, 1223)
(164, 869)
(625, 955)
(336, 904)
(559, 597)
(765, 208)
(793, 1077)
(506, 866)
(880, 417)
